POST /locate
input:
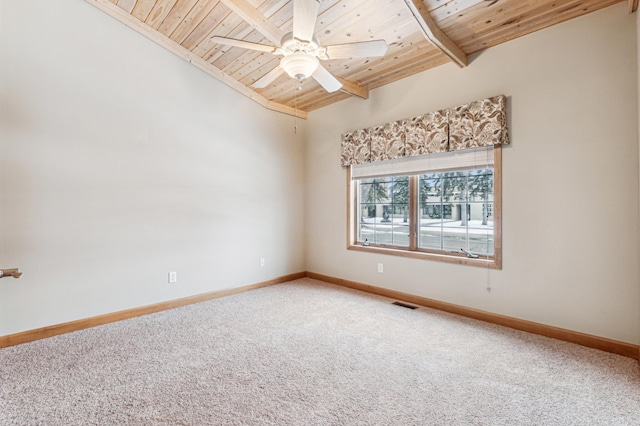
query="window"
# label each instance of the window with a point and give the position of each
(442, 206)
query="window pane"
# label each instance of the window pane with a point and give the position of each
(400, 222)
(430, 233)
(373, 190)
(430, 237)
(363, 191)
(399, 190)
(481, 242)
(480, 185)
(430, 190)
(367, 212)
(366, 222)
(454, 238)
(383, 235)
(478, 214)
(453, 187)
(433, 211)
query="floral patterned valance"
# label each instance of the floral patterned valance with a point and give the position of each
(479, 123)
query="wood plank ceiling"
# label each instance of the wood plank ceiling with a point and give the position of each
(420, 35)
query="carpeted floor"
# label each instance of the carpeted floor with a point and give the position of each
(310, 353)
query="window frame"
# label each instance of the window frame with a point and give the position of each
(412, 251)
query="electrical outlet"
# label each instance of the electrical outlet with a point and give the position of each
(173, 277)
(262, 261)
(380, 267)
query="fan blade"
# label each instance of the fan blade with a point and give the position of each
(268, 78)
(357, 50)
(305, 14)
(326, 79)
(244, 44)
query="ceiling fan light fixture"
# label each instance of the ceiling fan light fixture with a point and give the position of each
(299, 65)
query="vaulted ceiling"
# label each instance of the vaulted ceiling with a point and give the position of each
(419, 34)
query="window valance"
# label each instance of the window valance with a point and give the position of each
(479, 123)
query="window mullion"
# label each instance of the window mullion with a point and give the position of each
(413, 212)
(467, 211)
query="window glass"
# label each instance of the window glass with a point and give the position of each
(442, 213)
(384, 211)
(466, 222)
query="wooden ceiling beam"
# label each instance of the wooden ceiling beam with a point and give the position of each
(132, 22)
(256, 19)
(633, 5)
(434, 34)
(352, 88)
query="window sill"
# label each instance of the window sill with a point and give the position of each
(483, 262)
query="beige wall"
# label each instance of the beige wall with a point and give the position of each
(572, 100)
(121, 162)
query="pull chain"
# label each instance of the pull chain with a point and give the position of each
(295, 117)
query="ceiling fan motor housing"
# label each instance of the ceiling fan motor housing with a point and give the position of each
(300, 56)
(299, 65)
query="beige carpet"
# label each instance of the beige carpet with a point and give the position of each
(310, 353)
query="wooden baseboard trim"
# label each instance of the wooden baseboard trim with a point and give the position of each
(67, 327)
(591, 341)
(588, 340)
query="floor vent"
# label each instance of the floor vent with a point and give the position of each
(404, 305)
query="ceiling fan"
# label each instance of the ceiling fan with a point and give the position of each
(301, 50)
